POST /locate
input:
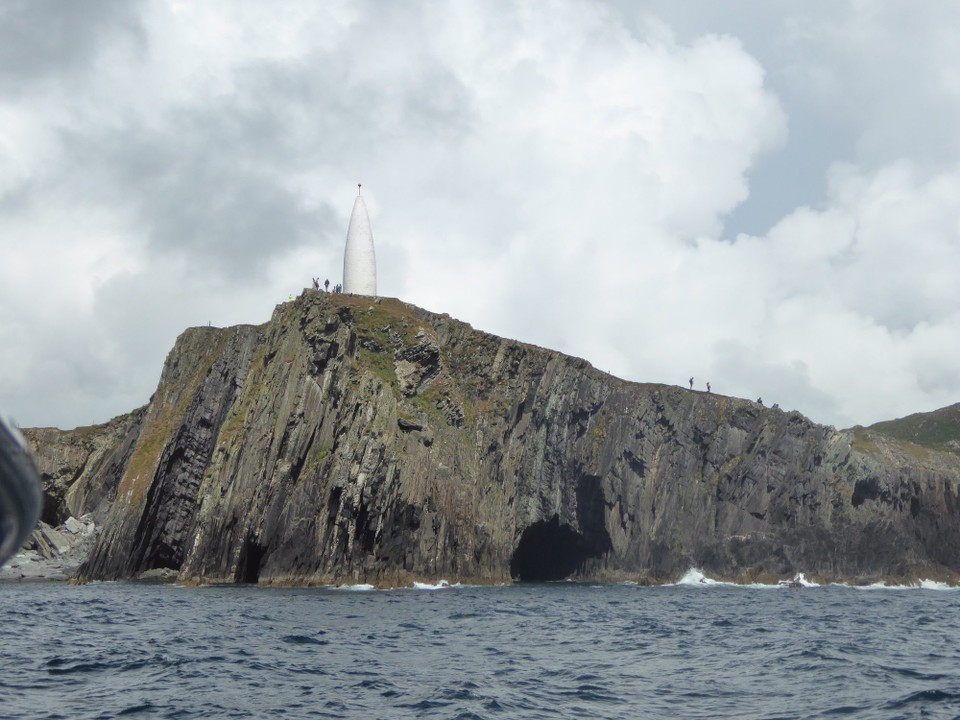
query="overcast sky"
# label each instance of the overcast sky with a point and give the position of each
(763, 195)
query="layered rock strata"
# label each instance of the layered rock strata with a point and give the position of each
(359, 440)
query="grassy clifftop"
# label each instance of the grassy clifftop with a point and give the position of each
(938, 430)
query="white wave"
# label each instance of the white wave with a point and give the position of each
(934, 585)
(361, 587)
(918, 585)
(695, 578)
(440, 585)
(882, 585)
(801, 580)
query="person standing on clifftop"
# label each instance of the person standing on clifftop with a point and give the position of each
(326, 284)
(691, 383)
(708, 387)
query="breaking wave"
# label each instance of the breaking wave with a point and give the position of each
(439, 585)
(695, 578)
(360, 587)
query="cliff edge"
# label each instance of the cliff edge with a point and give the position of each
(353, 439)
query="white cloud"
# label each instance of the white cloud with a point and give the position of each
(571, 173)
(853, 294)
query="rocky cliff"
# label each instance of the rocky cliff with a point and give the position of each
(359, 440)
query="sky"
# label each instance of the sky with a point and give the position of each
(762, 195)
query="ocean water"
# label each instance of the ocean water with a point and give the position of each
(694, 650)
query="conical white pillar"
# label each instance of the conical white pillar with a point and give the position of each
(359, 260)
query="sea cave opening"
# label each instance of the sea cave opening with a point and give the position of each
(549, 551)
(248, 570)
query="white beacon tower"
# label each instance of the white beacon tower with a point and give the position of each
(359, 260)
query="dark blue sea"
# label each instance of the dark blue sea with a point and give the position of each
(526, 651)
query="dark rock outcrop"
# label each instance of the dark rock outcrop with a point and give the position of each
(359, 440)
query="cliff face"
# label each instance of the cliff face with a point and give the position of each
(359, 440)
(80, 469)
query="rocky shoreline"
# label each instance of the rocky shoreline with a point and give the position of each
(52, 554)
(55, 554)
